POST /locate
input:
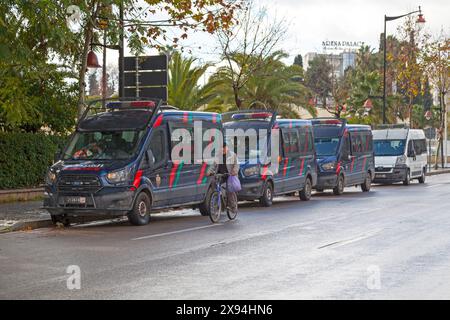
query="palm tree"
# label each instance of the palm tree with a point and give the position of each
(184, 89)
(272, 86)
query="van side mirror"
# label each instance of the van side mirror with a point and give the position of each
(411, 153)
(149, 158)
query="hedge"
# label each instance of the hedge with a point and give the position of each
(25, 157)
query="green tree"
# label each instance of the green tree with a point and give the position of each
(298, 60)
(271, 87)
(185, 92)
(318, 78)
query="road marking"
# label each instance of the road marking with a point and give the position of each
(340, 243)
(175, 232)
(434, 185)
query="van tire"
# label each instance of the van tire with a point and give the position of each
(422, 177)
(140, 214)
(365, 186)
(267, 196)
(407, 180)
(204, 207)
(60, 219)
(305, 193)
(340, 184)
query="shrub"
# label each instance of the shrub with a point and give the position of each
(25, 157)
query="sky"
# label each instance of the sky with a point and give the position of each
(312, 21)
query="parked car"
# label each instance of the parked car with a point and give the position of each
(344, 155)
(400, 155)
(295, 169)
(119, 162)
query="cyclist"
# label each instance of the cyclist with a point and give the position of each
(229, 166)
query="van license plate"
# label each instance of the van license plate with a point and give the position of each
(76, 200)
(381, 176)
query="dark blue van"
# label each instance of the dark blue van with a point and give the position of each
(118, 162)
(295, 169)
(344, 155)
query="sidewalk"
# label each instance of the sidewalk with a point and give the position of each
(23, 215)
(27, 215)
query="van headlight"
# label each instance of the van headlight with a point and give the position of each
(329, 166)
(251, 171)
(50, 178)
(400, 161)
(118, 176)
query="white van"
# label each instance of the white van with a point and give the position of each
(400, 155)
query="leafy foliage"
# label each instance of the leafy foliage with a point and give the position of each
(25, 157)
(273, 86)
(184, 89)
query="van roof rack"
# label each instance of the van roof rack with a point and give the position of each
(250, 114)
(392, 126)
(122, 104)
(328, 121)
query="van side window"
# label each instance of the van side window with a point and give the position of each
(367, 144)
(291, 143)
(345, 147)
(157, 146)
(356, 142)
(420, 146)
(306, 141)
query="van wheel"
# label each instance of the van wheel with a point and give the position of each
(60, 219)
(407, 180)
(305, 193)
(204, 207)
(422, 177)
(365, 186)
(267, 196)
(339, 189)
(140, 215)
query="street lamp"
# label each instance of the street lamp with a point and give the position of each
(419, 20)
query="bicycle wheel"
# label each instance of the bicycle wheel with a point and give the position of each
(231, 215)
(215, 207)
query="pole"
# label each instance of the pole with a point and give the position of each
(121, 55)
(384, 71)
(104, 70)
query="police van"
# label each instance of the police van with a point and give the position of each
(119, 162)
(265, 173)
(400, 155)
(344, 155)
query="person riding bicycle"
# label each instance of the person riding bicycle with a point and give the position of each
(229, 166)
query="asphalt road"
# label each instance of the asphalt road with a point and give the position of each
(393, 242)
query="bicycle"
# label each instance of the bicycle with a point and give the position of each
(219, 199)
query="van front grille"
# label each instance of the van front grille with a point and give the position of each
(88, 183)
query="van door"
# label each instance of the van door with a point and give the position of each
(345, 156)
(355, 175)
(158, 173)
(184, 171)
(411, 161)
(278, 177)
(291, 163)
(420, 146)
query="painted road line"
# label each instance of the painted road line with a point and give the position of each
(175, 232)
(434, 185)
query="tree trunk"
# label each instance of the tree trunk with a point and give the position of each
(237, 101)
(83, 69)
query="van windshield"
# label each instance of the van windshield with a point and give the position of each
(389, 147)
(326, 146)
(103, 145)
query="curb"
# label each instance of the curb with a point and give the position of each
(27, 225)
(434, 173)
